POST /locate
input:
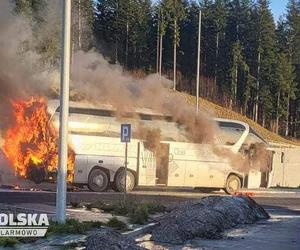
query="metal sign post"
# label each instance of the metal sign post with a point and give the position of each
(125, 137)
(125, 181)
(64, 113)
(198, 63)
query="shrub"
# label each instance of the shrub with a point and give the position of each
(89, 206)
(72, 226)
(102, 206)
(154, 208)
(115, 223)
(75, 204)
(137, 212)
(139, 215)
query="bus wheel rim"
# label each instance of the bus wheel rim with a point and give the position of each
(233, 185)
(98, 180)
(128, 181)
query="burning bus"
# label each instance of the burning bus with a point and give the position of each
(159, 154)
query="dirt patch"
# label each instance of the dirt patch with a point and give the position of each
(207, 218)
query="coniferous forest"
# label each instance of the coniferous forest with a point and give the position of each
(249, 62)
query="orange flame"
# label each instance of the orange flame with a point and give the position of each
(32, 141)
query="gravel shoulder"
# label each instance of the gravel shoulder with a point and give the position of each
(279, 232)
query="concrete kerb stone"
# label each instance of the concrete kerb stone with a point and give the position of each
(140, 230)
(271, 191)
(20, 209)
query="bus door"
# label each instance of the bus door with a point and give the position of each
(146, 166)
(162, 164)
(188, 165)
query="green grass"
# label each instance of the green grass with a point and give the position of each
(72, 226)
(108, 208)
(115, 223)
(12, 241)
(137, 212)
(8, 242)
(139, 215)
(154, 208)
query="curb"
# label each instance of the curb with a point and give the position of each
(141, 230)
(15, 208)
(268, 191)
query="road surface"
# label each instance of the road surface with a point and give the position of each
(280, 232)
(271, 199)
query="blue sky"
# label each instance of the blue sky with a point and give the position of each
(278, 7)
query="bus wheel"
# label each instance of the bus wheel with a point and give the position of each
(98, 180)
(120, 181)
(233, 184)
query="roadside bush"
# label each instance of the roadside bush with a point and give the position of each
(124, 208)
(136, 211)
(115, 223)
(75, 204)
(154, 208)
(72, 226)
(139, 215)
(108, 208)
(89, 206)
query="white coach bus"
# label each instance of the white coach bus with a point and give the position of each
(94, 135)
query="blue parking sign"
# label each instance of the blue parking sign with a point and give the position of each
(125, 132)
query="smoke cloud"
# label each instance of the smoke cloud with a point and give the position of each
(21, 72)
(24, 73)
(95, 79)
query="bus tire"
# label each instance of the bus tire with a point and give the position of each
(120, 181)
(114, 187)
(233, 184)
(98, 180)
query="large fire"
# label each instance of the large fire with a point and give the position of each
(30, 144)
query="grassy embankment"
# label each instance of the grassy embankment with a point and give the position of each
(221, 112)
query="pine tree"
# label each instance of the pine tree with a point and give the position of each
(188, 47)
(266, 44)
(293, 41)
(236, 76)
(126, 26)
(177, 14)
(285, 89)
(220, 13)
(163, 9)
(139, 36)
(82, 24)
(46, 42)
(110, 27)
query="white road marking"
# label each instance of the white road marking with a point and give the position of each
(284, 216)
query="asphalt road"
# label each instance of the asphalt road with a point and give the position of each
(270, 199)
(280, 232)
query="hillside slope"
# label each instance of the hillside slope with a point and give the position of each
(226, 113)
